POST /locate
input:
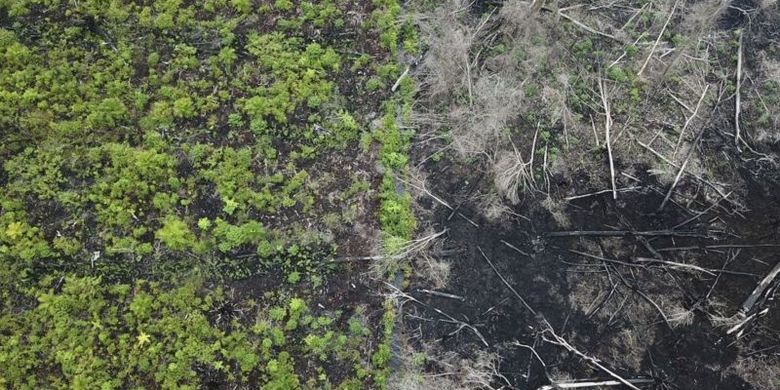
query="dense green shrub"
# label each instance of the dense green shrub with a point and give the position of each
(36, 172)
(125, 125)
(230, 237)
(126, 179)
(175, 234)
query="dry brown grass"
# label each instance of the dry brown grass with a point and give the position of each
(762, 372)
(512, 175)
(493, 207)
(480, 92)
(770, 72)
(450, 40)
(455, 372)
(476, 128)
(517, 19)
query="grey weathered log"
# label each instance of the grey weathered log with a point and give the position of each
(621, 233)
(582, 384)
(759, 290)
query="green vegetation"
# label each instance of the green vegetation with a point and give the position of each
(157, 154)
(110, 337)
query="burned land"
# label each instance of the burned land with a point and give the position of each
(601, 180)
(348, 194)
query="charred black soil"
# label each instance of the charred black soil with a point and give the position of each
(597, 226)
(540, 268)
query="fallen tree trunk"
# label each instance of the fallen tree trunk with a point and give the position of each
(746, 315)
(558, 340)
(622, 233)
(759, 290)
(581, 384)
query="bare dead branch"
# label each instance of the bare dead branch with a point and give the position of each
(661, 34)
(586, 28)
(622, 233)
(604, 259)
(442, 294)
(759, 290)
(575, 197)
(516, 249)
(688, 121)
(560, 341)
(420, 186)
(718, 246)
(692, 267)
(676, 265)
(699, 214)
(527, 306)
(582, 384)
(398, 82)
(607, 130)
(675, 165)
(737, 98)
(682, 168)
(451, 319)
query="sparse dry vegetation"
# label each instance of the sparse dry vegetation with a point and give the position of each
(452, 371)
(645, 133)
(762, 373)
(666, 67)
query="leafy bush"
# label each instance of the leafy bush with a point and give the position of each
(125, 177)
(126, 125)
(395, 211)
(36, 172)
(17, 238)
(175, 234)
(107, 113)
(183, 108)
(230, 237)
